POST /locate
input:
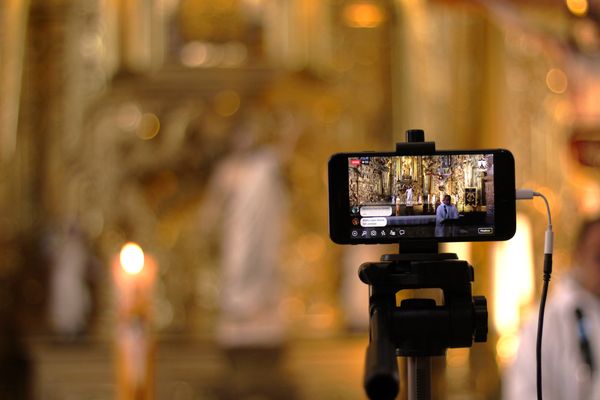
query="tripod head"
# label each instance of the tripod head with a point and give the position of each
(417, 327)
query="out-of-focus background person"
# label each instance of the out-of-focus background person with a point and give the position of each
(247, 200)
(571, 325)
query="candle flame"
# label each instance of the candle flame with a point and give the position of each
(132, 258)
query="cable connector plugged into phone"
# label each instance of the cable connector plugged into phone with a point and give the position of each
(528, 194)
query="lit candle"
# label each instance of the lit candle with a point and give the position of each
(134, 275)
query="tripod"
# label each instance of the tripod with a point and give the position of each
(417, 328)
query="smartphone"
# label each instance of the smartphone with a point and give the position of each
(443, 196)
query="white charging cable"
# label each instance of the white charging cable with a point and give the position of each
(527, 194)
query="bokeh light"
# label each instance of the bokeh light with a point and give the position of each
(311, 247)
(506, 348)
(198, 54)
(235, 54)
(148, 127)
(194, 54)
(128, 116)
(578, 7)
(513, 280)
(363, 15)
(227, 103)
(556, 80)
(132, 258)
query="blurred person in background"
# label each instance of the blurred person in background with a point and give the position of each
(571, 336)
(247, 200)
(70, 302)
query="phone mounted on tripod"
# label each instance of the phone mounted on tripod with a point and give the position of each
(418, 197)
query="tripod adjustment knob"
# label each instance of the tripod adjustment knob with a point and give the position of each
(480, 319)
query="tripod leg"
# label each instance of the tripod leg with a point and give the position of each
(381, 367)
(419, 378)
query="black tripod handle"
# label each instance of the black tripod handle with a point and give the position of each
(381, 366)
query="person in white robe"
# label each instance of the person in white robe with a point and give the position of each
(570, 369)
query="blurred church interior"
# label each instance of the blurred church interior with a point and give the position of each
(130, 121)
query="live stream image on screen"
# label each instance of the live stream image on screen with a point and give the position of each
(421, 196)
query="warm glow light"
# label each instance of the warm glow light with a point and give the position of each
(513, 278)
(578, 7)
(194, 54)
(320, 316)
(132, 258)
(363, 15)
(556, 80)
(461, 249)
(128, 116)
(590, 200)
(311, 247)
(457, 357)
(235, 54)
(563, 113)
(513, 287)
(506, 348)
(148, 127)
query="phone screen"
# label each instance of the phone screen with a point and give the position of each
(442, 197)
